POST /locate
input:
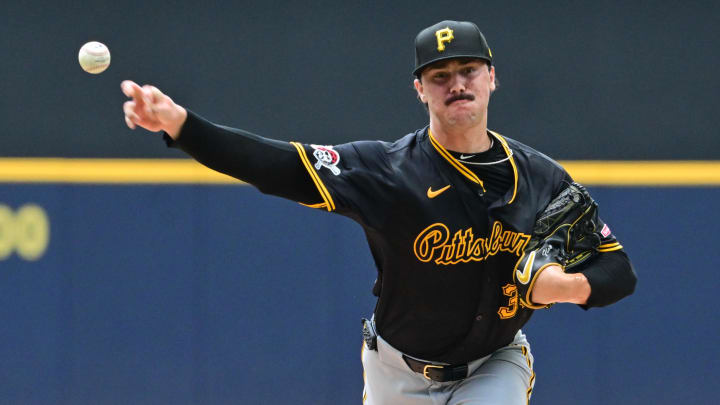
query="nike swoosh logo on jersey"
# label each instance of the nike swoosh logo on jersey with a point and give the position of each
(433, 194)
(465, 157)
(524, 277)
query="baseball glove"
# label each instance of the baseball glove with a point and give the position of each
(566, 234)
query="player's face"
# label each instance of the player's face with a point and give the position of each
(457, 91)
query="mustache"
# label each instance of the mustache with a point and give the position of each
(461, 96)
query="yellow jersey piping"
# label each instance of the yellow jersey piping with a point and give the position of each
(324, 193)
(318, 205)
(454, 162)
(611, 249)
(512, 162)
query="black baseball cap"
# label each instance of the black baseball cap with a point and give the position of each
(449, 39)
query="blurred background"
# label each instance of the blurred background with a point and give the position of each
(195, 289)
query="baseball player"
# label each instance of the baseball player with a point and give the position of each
(448, 211)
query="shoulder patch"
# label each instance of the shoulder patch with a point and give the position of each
(326, 156)
(605, 232)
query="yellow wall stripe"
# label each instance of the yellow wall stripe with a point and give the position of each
(645, 173)
(56, 170)
(187, 171)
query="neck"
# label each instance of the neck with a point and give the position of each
(473, 139)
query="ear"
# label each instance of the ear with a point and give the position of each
(419, 89)
(492, 78)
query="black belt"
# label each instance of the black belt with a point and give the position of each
(437, 372)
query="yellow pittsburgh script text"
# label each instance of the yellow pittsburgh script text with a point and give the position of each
(435, 243)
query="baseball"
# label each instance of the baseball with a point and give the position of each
(94, 57)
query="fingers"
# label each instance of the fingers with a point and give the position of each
(153, 93)
(153, 97)
(131, 89)
(148, 98)
(130, 116)
(147, 107)
(129, 122)
(145, 96)
(126, 87)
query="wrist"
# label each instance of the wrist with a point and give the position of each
(175, 125)
(578, 288)
(572, 288)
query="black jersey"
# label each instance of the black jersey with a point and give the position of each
(445, 238)
(444, 252)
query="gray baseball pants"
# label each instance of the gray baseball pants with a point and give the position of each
(504, 377)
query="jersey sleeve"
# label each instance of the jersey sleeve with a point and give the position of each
(268, 164)
(611, 275)
(350, 177)
(608, 242)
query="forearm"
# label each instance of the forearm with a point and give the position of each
(555, 286)
(605, 280)
(273, 166)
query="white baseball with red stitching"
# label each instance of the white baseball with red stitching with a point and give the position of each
(94, 57)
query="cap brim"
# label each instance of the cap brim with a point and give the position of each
(445, 57)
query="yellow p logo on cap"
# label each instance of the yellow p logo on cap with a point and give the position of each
(444, 35)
